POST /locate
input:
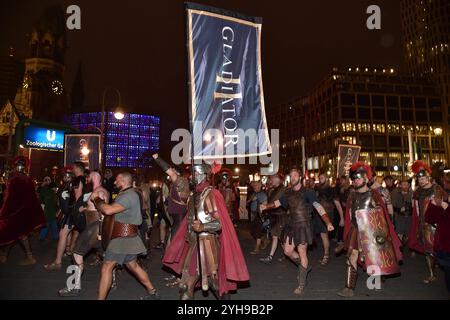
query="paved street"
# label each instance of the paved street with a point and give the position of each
(275, 281)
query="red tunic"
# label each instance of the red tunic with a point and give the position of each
(232, 266)
(21, 212)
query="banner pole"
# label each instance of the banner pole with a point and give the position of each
(303, 156)
(191, 126)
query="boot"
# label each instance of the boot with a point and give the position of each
(430, 265)
(302, 276)
(352, 276)
(185, 293)
(29, 260)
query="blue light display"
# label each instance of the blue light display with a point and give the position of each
(128, 142)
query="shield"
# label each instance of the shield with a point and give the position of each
(107, 229)
(428, 230)
(376, 241)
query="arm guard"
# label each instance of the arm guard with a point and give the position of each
(322, 213)
(162, 164)
(212, 227)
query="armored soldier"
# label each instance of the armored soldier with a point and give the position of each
(370, 238)
(277, 209)
(21, 212)
(88, 238)
(206, 231)
(66, 199)
(328, 199)
(297, 233)
(421, 233)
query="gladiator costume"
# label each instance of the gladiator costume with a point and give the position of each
(421, 233)
(177, 200)
(369, 230)
(21, 212)
(299, 227)
(88, 239)
(278, 216)
(216, 246)
(66, 199)
(227, 192)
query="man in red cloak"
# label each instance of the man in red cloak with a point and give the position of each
(370, 238)
(21, 212)
(421, 233)
(206, 233)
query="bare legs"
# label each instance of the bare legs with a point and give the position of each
(300, 257)
(106, 277)
(326, 248)
(61, 246)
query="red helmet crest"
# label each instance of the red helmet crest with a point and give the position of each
(420, 165)
(362, 166)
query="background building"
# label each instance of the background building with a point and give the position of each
(426, 30)
(128, 143)
(370, 107)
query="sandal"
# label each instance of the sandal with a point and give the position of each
(430, 279)
(299, 290)
(324, 261)
(53, 266)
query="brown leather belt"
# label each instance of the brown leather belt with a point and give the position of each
(121, 230)
(91, 216)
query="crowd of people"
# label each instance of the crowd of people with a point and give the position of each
(294, 213)
(374, 220)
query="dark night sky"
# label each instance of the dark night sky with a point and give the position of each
(138, 46)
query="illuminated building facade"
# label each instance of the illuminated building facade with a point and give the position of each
(370, 107)
(128, 143)
(426, 30)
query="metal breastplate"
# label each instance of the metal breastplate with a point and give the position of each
(198, 204)
(362, 201)
(202, 214)
(299, 211)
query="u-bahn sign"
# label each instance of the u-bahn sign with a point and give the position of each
(43, 138)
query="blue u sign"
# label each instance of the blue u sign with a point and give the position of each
(43, 138)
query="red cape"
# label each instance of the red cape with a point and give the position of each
(395, 240)
(232, 267)
(21, 212)
(414, 242)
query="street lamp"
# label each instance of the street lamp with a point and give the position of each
(118, 114)
(85, 151)
(438, 131)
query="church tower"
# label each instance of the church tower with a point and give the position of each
(42, 94)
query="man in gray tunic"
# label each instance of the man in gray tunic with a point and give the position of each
(125, 244)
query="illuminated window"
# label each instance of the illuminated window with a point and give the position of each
(349, 139)
(379, 128)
